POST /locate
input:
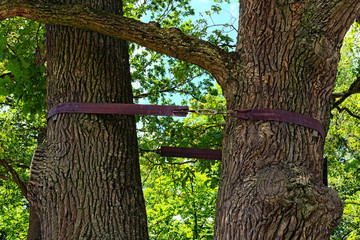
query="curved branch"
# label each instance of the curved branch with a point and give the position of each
(343, 14)
(353, 89)
(4, 177)
(15, 177)
(144, 95)
(353, 203)
(177, 163)
(167, 89)
(349, 112)
(169, 41)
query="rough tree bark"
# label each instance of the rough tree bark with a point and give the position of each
(271, 185)
(85, 183)
(286, 58)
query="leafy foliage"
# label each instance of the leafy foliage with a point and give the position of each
(14, 212)
(18, 139)
(180, 206)
(22, 63)
(22, 117)
(180, 193)
(342, 145)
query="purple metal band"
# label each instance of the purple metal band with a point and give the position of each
(281, 116)
(182, 111)
(117, 108)
(191, 153)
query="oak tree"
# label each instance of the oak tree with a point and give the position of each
(85, 181)
(286, 58)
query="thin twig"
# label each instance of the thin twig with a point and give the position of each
(352, 203)
(148, 175)
(15, 177)
(348, 111)
(171, 163)
(4, 178)
(353, 89)
(169, 89)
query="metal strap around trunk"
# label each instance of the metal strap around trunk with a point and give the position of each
(190, 153)
(281, 116)
(118, 108)
(182, 111)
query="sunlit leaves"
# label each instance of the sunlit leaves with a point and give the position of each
(342, 145)
(22, 56)
(180, 206)
(18, 138)
(180, 193)
(14, 212)
(22, 111)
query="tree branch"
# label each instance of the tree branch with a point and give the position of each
(167, 88)
(175, 163)
(349, 112)
(342, 13)
(169, 41)
(4, 177)
(2, 76)
(144, 95)
(15, 177)
(353, 203)
(353, 89)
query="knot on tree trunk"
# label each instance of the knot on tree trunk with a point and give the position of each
(290, 188)
(281, 202)
(34, 192)
(38, 169)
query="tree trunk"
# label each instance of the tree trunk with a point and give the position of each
(271, 185)
(85, 183)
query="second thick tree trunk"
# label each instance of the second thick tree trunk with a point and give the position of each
(86, 182)
(271, 185)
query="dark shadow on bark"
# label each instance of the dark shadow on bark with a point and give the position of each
(34, 232)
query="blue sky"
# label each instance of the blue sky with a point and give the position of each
(203, 5)
(228, 15)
